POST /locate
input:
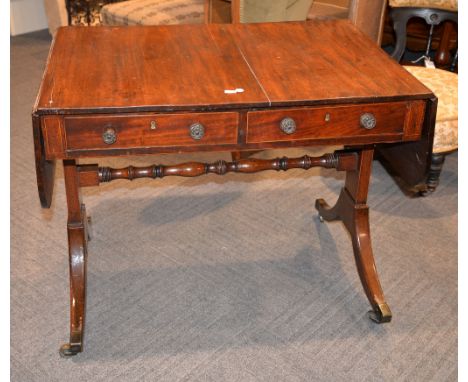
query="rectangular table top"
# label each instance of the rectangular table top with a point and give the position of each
(189, 67)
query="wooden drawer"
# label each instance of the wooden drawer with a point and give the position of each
(397, 119)
(156, 130)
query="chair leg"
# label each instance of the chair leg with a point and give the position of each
(400, 20)
(437, 161)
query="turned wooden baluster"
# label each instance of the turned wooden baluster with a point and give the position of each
(340, 161)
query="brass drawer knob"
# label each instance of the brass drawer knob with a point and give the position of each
(368, 121)
(197, 131)
(287, 125)
(109, 136)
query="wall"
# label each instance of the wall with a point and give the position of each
(27, 16)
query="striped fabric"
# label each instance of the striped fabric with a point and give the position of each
(153, 12)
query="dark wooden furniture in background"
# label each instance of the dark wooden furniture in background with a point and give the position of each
(444, 37)
(433, 18)
(169, 89)
(415, 164)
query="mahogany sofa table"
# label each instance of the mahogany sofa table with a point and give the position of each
(117, 91)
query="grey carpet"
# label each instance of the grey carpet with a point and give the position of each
(226, 278)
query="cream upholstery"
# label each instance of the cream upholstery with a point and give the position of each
(444, 85)
(329, 9)
(153, 12)
(157, 12)
(252, 11)
(450, 5)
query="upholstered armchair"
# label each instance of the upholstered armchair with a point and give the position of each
(419, 164)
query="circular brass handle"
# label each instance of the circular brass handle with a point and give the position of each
(197, 131)
(287, 125)
(109, 136)
(368, 121)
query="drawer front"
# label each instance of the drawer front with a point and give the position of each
(156, 130)
(379, 120)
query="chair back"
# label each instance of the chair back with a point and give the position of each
(432, 16)
(256, 11)
(369, 17)
(252, 11)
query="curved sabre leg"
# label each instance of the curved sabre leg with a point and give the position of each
(77, 245)
(357, 223)
(352, 210)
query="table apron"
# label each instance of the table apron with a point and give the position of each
(76, 136)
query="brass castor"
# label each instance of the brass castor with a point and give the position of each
(381, 314)
(67, 350)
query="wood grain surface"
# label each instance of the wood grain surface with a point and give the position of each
(322, 61)
(160, 67)
(85, 132)
(326, 122)
(74, 136)
(189, 67)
